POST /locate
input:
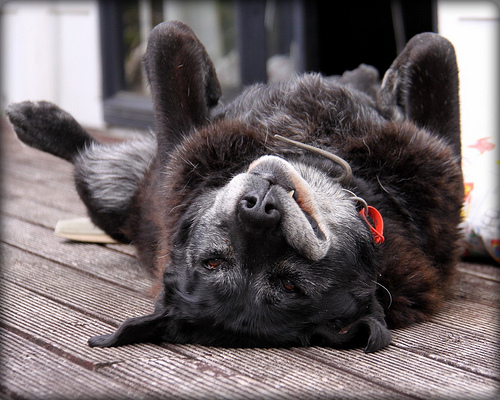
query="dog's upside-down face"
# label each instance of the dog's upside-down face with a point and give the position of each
(262, 242)
(269, 255)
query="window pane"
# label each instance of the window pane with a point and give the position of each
(212, 21)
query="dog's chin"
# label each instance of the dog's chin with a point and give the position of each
(302, 223)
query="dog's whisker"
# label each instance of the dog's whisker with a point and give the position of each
(382, 186)
(387, 290)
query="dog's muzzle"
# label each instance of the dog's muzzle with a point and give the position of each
(276, 195)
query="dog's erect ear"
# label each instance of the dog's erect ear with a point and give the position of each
(182, 79)
(148, 328)
(422, 86)
(379, 336)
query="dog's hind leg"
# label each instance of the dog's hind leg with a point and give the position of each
(107, 177)
(183, 83)
(422, 86)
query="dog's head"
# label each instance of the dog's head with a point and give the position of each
(263, 250)
(277, 256)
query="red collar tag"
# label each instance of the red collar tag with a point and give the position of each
(378, 230)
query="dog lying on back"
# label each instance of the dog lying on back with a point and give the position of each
(259, 240)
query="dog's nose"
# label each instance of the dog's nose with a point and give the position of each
(260, 209)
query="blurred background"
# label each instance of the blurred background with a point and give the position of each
(85, 56)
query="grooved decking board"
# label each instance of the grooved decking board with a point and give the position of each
(472, 317)
(86, 293)
(98, 260)
(462, 349)
(30, 210)
(34, 212)
(63, 198)
(31, 168)
(297, 376)
(57, 172)
(65, 331)
(191, 379)
(472, 287)
(485, 271)
(28, 371)
(412, 373)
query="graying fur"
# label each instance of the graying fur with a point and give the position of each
(113, 173)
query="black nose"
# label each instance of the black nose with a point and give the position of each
(260, 209)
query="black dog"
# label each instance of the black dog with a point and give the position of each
(260, 240)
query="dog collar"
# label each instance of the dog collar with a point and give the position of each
(372, 217)
(377, 229)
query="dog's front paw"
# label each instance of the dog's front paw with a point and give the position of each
(101, 341)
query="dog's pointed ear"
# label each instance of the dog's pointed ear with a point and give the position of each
(148, 328)
(379, 336)
(422, 85)
(182, 79)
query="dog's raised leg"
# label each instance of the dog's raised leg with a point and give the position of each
(422, 86)
(46, 127)
(183, 83)
(107, 177)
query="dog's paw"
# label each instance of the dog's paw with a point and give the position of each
(101, 341)
(31, 119)
(46, 127)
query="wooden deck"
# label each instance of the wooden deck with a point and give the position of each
(55, 294)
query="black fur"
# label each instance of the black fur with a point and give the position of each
(271, 251)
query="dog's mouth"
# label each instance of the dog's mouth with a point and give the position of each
(302, 222)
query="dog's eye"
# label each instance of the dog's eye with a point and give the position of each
(213, 263)
(288, 285)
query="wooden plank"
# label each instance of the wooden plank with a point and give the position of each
(190, 379)
(93, 259)
(476, 288)
(485, 271)
(65, 331)
(28, 160)
(461, 349)
(23, 161)
(32, 166)
(54, 194)
(282, 373)
(411, 373)
(32, 211)
(477, 318)
(74, 288)
(29, 371)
